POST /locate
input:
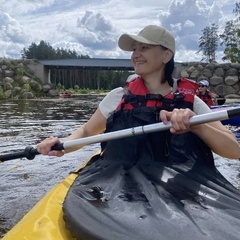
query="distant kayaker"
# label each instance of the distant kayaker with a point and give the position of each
(153, 51)
(205, 94)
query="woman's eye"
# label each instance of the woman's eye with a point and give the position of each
(140, 48)
(145, 47)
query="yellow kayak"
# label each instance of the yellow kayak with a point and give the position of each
(45, 220)
(118, 200)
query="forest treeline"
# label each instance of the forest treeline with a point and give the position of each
(209, 42)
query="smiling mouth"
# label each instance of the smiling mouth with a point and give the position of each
(139, 63)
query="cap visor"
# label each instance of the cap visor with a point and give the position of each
(126, 41)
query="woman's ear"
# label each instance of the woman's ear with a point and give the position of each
(168, 54)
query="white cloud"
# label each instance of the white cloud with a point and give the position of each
(188, 24)
(92, 27)
(13, 36)
(92, 34)
(11, 30)
(24, 7)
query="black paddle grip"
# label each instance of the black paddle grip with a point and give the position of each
(235, 112)
(29, 153)
(58, 147)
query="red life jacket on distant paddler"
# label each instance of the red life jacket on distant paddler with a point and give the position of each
(207, 98)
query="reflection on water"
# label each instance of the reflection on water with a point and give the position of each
(24, 123)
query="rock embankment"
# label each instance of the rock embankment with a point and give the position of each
(18, 82)
(223, 78)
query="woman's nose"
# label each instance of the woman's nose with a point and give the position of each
(136, 53)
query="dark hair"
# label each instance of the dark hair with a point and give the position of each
(168, 72)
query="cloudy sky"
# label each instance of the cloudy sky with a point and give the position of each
(93, 26)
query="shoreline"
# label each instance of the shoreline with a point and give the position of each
(232, 100)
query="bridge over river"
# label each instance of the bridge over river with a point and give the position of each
(42, 68)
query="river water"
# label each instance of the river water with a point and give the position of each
(25, 123)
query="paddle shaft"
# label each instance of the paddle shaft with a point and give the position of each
(30, 152)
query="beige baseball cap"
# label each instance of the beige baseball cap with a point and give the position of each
(151, 34)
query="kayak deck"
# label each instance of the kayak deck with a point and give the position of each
(118, 200)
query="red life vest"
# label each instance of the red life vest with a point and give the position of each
(138, 108)
(137, 95)
(207, 98)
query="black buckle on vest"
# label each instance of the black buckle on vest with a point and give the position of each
(178, 97)
(131, 99)
(154, 97)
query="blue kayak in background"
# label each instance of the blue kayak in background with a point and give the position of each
(235, 121)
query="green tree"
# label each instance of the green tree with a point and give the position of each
(41, 51)
(236, 11)
(208, 42)
(231, 37)
(44, 51)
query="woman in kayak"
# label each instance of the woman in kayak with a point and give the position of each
(161, 185)
(205, 94)
(153, 51)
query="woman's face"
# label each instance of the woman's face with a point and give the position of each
(202, 88)
(148, 59)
